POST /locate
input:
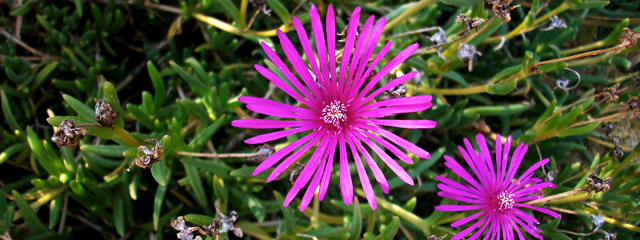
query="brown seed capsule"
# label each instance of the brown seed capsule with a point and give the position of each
(502, 10)
(68, 134)
(469, 23)
(596, 184)
(185, 233)
(105, 115)
(262, 153)
(608, 127)
(147, 157)
(628, 38)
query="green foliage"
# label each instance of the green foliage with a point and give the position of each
(174, 73)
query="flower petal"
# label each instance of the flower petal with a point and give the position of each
(465, 220)
(352, 29)
(273, 159)
(324, 185)
(411, 124)
(392, 164)
(313, 186)
(403, 156)
(346, 187)
(267, 137)
(268, 123)
(412, 148)
(364, 179)
(377, 173)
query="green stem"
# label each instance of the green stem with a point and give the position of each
(125, 136)
(416, 7)
(397, 210)
(520, 28)
(243, 14)
(583, 48)
(316, 212)
(457, 91)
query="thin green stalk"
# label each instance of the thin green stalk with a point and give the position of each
(456, 91)
(243, 14)
(416, 7)
(125, 136)
(397, 210)
(520, 28)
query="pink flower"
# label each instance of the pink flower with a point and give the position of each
(336, 111)
(492, 192)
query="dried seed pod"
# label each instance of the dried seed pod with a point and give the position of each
(608, 127)
(398, 91)
(468, 52)
(185, 233)
(469, 23)
(262, 152)
(68, 134)
(636, 82)
(434, 237)
(105, 115)
(502, 10)
(611, 93)
(556, 22)
(261, 4)
(596, 184)
(147, 157)
(628, 38)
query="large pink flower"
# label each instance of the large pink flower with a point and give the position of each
(336, 109)
(493, 191)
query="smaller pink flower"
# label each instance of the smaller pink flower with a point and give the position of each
(494, 193)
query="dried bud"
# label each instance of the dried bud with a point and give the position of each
(636, 81)
(440, 37)
(469, 23)
(597, 221)
(263, 5)
(468, 52)
(147, 157)
(262, 152)
(434, 237)
(185, 233)
(634, 106)
(611, 93)
(398, 91)
(556, 22)
(608, 127)
(502, 10)
(68, 134)
(105, 115)
(616, 152)
(222, 224)
(596, 184)
(628, 38)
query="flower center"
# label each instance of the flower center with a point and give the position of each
(505, 200)
(334, 113)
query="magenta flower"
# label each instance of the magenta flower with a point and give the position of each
(492, 192)
(336, 109)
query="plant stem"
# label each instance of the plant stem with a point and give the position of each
(397, 210)
(218, 155)
(609, 118)
(522, 28)
(243, 14)
(559, 195)
(125, 136)
(316, 211)
(596, 52)
(416, 7)
(458, 91)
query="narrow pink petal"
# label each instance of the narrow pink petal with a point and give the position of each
(306, 46)
(460, 171)
(390, 111)
(364, 60)
(412, 148)
(364, 179)
(352, 29)
(287, 73)
(313, 186)
(403, 55)
(331, 42)
(273, 104)
(321, 45)
(290, 160)
(457, 197)
(373, 64)
(465, 220)
(498, 149)
(346, 187)
(400, 102)
(273, 159)
(357, 53)
(377, 173)
(449, 189)
(514, 163)
(493, 229)
(298, 64)
(279, 83)
(483, 173)
(268, 123)
(457, 208)
(324, 185)
(411, 124)
(277, 112)
(276, 135)
(505, 159)
(480, 231)
(308, 170)
(539, 209)
(527, 228)
(400, 154)
(472, 164)
(513, 224)
(457, 185)
(486, 155)
(392, 83)
(529, 172)
(526, 198)
(466, 231)
(392, 164)
(533, 188)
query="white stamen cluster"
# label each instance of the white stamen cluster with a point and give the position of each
(334, 113)
(505, 200)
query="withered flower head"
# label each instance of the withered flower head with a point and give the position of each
(147, 157)
(398, 91)
(634, 106)
(434, 237)
(556, 22)
(440, 37)
(262, 4)
(68, 134)
(611, 93)
(636, 81)
(608, 127)
(628, 38)
(262, 152)
(596, 184)
(105, 115)
(185, 233)
(502, 10)
(469, 23)
(468, 52)
(222, 224)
